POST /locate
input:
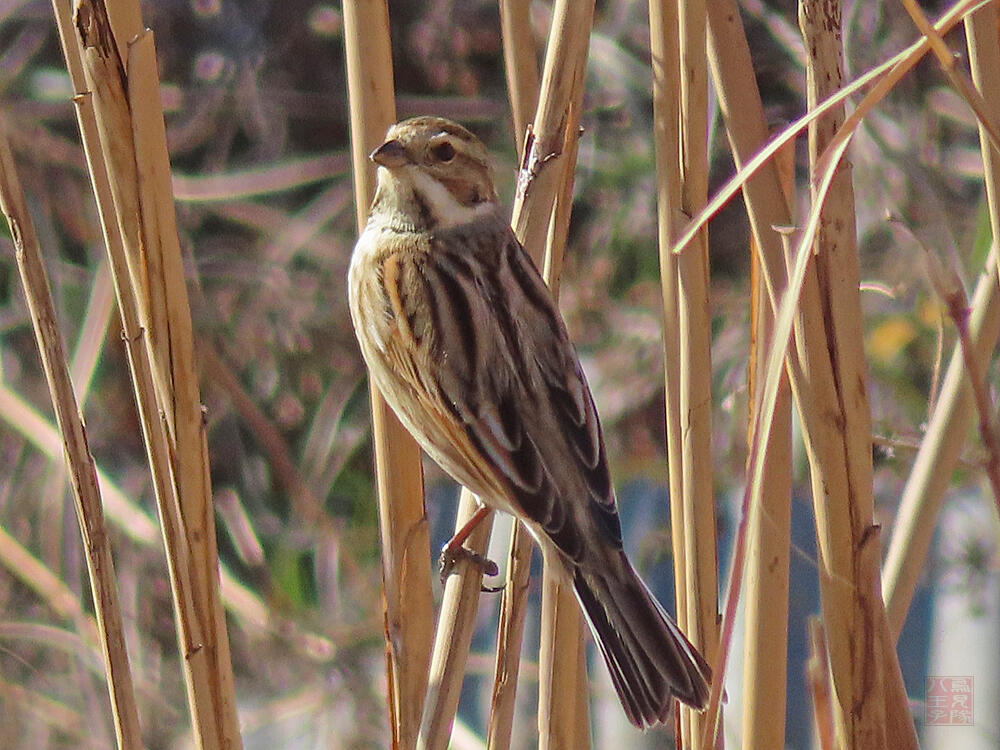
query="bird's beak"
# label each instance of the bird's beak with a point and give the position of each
(391, 154)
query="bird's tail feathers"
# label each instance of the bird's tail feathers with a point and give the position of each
(649, 658)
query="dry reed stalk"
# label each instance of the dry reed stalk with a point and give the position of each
(817, 669)
(83, 363)
(665, 62)
(83, 476)
(836, 416)
(520, 65)
(559, 676)
(453, 636)
(555, 124)
(399, 476)
(82, 366)
(983, 40)
(768, 532)
(120, 94)
(172, 338)
(522, 84)
(547, 169)
(947, 429)
(758, 178)
(513, 609)
(565, 633)
(699, 619)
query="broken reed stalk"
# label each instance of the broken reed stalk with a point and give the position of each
(699, 619)
(82, 472)
(947, 429)
(406, 574)
(765, 647)
(125, 143)
(522, 85)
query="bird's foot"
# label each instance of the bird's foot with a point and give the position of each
(451, 555)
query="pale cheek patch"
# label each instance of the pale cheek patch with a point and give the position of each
(446, 209)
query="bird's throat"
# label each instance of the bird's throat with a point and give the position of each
(410, 198)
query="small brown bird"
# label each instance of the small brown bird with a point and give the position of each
(466, 344)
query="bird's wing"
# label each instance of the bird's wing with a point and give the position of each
(509, 374)
(410, 384)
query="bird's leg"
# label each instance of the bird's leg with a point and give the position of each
(453, 551)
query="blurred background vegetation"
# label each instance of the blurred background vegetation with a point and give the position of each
(256, 107)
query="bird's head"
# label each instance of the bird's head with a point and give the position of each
(433, 173)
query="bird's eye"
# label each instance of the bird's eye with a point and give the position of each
(443, 152)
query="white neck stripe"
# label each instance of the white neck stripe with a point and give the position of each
(446, 209)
